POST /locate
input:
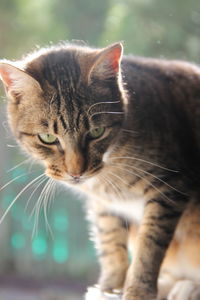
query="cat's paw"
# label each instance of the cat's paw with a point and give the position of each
(138, 297)
(185, 290)
(138, 293)
(111, 281)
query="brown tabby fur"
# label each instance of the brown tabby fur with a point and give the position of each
(141, 175)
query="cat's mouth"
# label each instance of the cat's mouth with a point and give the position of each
(88, 175)
(75, 179)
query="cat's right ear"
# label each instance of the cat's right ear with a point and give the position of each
(107, 63)
(17, 82)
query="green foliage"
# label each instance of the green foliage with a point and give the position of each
(156, 28)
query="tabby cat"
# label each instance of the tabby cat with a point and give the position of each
(126, 131)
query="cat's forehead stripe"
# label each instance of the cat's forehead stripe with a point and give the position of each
(62, 71)
(63, 122)
(55, 127)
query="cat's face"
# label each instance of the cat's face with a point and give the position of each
(65, 108)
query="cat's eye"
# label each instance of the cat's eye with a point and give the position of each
(96, 132)
(48, 138)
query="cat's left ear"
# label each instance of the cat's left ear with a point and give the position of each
(17, 82)
(107, 63)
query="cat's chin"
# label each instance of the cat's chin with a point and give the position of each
(76, 181)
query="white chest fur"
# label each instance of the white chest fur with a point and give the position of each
(131, 210)
(128, 205)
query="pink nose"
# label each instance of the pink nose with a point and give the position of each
(75, 176)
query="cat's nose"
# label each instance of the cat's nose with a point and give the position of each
(76, 177)
(75, 163)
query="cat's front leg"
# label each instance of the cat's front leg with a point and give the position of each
(110, 235)
(156, 231)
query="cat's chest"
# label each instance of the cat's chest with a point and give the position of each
(127, 203)
(131, 210)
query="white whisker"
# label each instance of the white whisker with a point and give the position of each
(36, 209)
(18, 195)
(149, 182)
(107, 112)
(43, 199)
(119, 194)
(52, 194)
(145, 161)
(31, 164)
(152, 175)
(39, 183)
(115, 188)
(129, 131)
(45, 205)
(120, 179)
(12, 146)
(14, 179)
(99, 103)
(18, 165)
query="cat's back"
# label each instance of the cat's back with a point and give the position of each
(176, 79)
(163, 90)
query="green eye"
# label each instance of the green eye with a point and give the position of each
(47, 138)
(96, 132)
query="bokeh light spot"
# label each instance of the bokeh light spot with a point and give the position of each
(39, 246)
(17, 241)
(17, 212)
(60, 221)
(60, 251)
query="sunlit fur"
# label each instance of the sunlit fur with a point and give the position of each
(141, 175)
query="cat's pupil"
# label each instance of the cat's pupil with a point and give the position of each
(96, 132)
(47, 138)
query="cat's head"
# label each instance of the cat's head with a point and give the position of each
(66, 107)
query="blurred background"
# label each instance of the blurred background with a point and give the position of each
(40, 264)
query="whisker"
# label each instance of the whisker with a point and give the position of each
(149, 182)
(98, 103)
(145, 161)
(45, 205)
(31, 164)
(43, 199)
(14, 179)
(116, 189)
(39, 183)
(107, 112)
(119, 193)
(18, 165)
(129, 131)
(120, 179)
(36, 209)
(154, 176)
(12, 146)
(19, 194)
(46, 196)
(52, 194)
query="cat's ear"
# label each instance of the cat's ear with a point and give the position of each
(107, 63)
(17, 82)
